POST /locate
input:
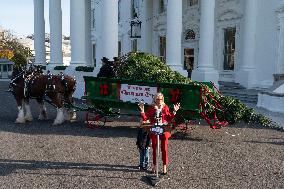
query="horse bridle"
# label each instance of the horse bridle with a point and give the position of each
(12, 82)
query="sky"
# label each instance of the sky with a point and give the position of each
(18, 16)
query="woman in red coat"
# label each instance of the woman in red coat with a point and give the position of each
(159, 108)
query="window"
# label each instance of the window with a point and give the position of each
(94, 55)
(192, 2)
(163, 48)
(190, 35)
(135, 29)
(188, 60)
(162, 7)
(93, 18)
(134, 45)
(229, 48)
(134, 8)
(119, 11)
(5, 68)
(119, 48)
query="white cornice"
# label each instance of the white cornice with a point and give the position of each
(229, 14)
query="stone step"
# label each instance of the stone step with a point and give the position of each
(223, 84)
(230, 88)
(238, 92)
(244, 98)
(241, 95)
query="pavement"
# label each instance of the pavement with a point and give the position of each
(37, 155)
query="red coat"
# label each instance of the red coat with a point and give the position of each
(167, 116)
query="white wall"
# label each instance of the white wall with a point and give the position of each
(266, 43)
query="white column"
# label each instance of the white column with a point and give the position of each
(39, 32)
(98, 35)
(109, 28)
(55, 20)
(88, 33)
(246, 72)
(146, 28)
(280, 62)
(174, 34)
(205, 70)
(78, 32)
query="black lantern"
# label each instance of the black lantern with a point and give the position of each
(135, 28)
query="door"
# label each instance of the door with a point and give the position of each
(5, 71)
(189, 60)
(229, 48)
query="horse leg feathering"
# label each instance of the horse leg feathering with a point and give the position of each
(21, 115)
(59, 117)
(28, 116)
(66, 115)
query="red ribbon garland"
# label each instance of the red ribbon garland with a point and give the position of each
(104, 89)
(175, 95)
(216, 123)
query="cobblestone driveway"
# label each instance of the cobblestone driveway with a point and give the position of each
(38, 155)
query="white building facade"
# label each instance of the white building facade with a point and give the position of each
(238, 41)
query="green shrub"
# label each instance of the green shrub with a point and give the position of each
(147, 67)
(42, 67)
(60, 67)
(84, 68)
(142, 66)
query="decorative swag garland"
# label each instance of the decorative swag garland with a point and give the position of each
(142, 66)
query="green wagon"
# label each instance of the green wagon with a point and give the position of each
(105, 97)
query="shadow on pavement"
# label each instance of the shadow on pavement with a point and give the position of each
(8, 166)
(73, 129)
(267, 142)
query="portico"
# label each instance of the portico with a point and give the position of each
(99, 29)
(107, 36)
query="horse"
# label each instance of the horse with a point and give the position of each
(29, 84)
(109, 68)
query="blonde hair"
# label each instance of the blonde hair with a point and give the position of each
(156, 96)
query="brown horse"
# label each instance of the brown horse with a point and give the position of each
(56, 89)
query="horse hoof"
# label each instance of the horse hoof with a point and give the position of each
(40, 117)
(28, 119)
(66, 118)
(57, 122)
(20, 121)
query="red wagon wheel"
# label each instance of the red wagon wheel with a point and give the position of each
(95, 120)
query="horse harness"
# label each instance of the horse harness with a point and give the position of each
(13, 81)
(29, 79)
